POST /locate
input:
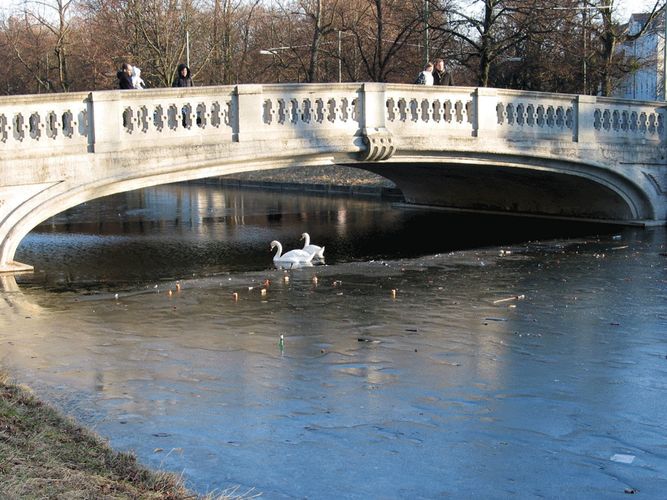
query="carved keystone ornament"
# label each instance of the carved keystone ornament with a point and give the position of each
(379, 145)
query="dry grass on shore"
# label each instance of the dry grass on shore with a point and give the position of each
(46, 455)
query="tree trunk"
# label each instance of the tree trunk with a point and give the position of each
(61, 48)
(608, 41)
(484, 55)
(315, 46)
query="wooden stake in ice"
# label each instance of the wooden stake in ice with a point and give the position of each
(515, 297)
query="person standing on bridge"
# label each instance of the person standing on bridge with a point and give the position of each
(426, 76)
(183, 78)
(125, 77)
(137, 81)
(440, 75)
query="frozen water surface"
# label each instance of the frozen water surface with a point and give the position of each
(518, 369)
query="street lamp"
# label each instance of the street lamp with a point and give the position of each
(187, 48)
(427, 56)
(272, 51)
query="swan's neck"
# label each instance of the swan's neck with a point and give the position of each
(306, 238)
(280, 250)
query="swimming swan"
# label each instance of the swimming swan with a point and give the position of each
(291, 257)
(317, 251)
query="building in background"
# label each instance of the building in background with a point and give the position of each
(647, 54)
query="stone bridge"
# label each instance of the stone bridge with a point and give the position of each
(550, 155)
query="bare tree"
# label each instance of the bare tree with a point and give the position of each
(25, 49)
(550, 56)
(230, 38)
(160, 30)
(323, 16)
(54, 16)
(302, 42)
(383, 29)
(489, 31)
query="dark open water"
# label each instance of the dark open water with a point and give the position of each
(527, 360)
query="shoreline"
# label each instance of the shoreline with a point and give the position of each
(369, 191)
(334, 180)
(45, 454)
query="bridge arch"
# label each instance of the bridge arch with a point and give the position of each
(497, 183)
(521, 185)
(60, 197)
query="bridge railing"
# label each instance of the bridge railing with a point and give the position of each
(519, 115)
(583, 118)
(168, 114)
(623, 120)
(225, 114)
(53, 123)
(111, 121)
(536, 116)
(162, 117)
(307, 110)
(420, 109)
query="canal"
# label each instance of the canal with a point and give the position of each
(431, 355)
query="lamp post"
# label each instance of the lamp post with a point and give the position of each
(583, 29)
(340, 53)
(427, 56)
(187, 48)
(273, 51)
(340, 59)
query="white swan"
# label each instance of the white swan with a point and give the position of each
(293, 257)
(317, 251)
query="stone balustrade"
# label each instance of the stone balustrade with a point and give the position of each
(44, 124)
(115, 120)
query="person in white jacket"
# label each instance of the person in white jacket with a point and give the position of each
(137, 81)
(426, 76)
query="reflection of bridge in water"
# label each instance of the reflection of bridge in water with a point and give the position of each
(464, 148)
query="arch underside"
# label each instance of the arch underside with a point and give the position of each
(582, 193)
(464, 183)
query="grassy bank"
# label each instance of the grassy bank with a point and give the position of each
(46, 455)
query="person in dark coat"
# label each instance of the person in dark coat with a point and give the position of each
(183, 78)
(440, 75)
(125, 77)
